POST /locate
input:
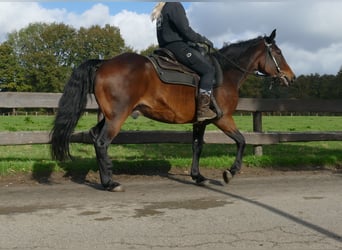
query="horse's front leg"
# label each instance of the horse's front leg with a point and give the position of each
(227, 125)
(197, 145)
(240, 144)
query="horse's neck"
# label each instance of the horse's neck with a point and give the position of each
(238, 73)
(245, 66)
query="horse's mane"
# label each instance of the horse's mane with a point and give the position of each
(240, 46)
(234, 51)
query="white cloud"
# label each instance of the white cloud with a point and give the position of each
(137, 29)
(307, 31)
(98, 14)
(16, 15)
(323, 61)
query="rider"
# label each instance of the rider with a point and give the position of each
(175, 34)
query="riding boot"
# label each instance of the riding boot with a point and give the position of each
(203, 110)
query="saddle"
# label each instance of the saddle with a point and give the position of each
(170, 70)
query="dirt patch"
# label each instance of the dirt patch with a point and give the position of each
(93, 177)
(158, 208)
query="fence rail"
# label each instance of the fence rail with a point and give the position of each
(256, 138)
(50, 100)
(146, 137)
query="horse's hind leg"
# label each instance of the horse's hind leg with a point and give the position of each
(197, 145)
(102, 137)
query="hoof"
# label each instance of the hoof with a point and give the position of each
(200, 180)
(115, 187)
(227, 176)
(203, 182)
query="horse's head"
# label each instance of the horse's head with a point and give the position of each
(273, 63)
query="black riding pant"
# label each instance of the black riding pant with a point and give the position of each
(193, 59)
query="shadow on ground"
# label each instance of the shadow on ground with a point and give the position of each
(84, 170)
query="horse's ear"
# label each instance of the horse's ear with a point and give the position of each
(270, 39)
(273, 35)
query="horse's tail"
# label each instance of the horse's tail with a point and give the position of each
(71, 107)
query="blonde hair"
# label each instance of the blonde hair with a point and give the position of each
(157, 10)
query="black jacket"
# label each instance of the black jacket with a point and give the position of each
(173, 26)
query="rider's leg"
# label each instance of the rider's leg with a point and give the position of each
(197, 62)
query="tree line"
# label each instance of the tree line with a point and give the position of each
(41, 56)
(313, 86)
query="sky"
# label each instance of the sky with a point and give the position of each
(308, 31)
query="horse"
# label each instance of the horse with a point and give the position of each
(129, 83)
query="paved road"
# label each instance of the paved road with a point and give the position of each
(301, 211)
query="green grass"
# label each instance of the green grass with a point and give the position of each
(244, 123)
(36, 158)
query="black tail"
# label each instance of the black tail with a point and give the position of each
(71, 107)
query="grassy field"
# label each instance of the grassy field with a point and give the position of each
(311, 155)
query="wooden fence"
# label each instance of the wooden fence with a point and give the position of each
(256, 138)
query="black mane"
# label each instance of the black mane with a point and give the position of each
(234, 51)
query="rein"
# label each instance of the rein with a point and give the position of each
(255, 73)
(230, 61)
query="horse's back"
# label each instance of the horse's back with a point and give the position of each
(124, 64)
(122, 71)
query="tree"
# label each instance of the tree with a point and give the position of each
(43, 54)
(98, 43)
(336, 87)
(273, 88)
(252, 87)
(301, 88)
(327, 89)
(9, 70)
(149, 50)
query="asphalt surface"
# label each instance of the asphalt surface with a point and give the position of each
(292, 211)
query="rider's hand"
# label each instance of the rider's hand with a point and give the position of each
(207, 42)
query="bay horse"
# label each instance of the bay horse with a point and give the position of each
(129, 82)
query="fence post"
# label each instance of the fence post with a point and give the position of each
(257, 127)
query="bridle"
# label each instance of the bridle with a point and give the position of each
(269, 53)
